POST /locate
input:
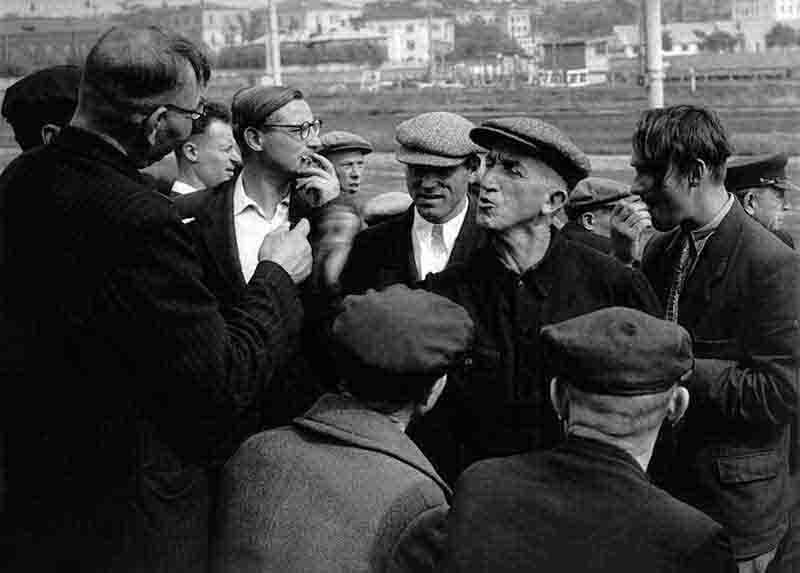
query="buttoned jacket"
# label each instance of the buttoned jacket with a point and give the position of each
(741, 305)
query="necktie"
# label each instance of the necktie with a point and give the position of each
(438, 246)
(679, 271)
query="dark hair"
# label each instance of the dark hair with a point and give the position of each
(214, 111)
(679, 135)
(130, 65)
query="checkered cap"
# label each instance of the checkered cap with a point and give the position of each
(438, 139)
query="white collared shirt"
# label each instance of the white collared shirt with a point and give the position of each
(421, 235)
(182, 188)
(252, 225)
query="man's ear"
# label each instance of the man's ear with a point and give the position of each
(678, 404)
(750, 203)
(252, 138)
(555, 201)
(189, 150)
(697, 173)
(587, 221)
(433, 395)
(473, 164)
(559, 399)
(49, 131)
(151, 123)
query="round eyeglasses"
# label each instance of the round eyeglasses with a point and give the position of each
(194, 114)
(305, 130)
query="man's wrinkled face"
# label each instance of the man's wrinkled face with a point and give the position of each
(515, 189)
(349, 165)
(438, 193)
(217, 153)
(769, 207)
(663, 189)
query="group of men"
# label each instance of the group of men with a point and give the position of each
(250, 370)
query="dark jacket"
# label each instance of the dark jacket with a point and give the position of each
(497, 404)
(742, 306)
(576, 232)
(585, 507)
(341, 490)
(129, 377)
(384, 254)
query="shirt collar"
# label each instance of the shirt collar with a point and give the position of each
(183, 188)
(242, 201)
(450, 229)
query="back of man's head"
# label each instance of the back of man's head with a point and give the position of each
(394, 344)
(619, 368)
(680, 135)
(130, 67)
(44, 98)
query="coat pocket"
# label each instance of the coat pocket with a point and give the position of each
(749, 467)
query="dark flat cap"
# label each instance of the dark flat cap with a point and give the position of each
(438, 139)
(403, 332)
(594, 192)
(762, 171)
(49, 95)
(343, 141)
(618, 351)
(252, 105)
(540, 140)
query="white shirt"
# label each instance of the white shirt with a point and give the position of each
(182, 188)
(251, 225)
(421, 239)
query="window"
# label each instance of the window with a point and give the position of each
(411, 45)
(410, 27)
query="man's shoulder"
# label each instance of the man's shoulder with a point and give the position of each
(205, 202)
(593, 264)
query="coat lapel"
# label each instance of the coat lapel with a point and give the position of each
(469, 239)
(345, 420)
(218, 232)
(408, 232)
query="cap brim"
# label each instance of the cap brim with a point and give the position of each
(361, 148)
(486, 137)
(418, 158)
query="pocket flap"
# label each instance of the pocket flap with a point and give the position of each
(750, 467)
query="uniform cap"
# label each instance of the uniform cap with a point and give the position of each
(343, 141)
(252, 105)
(538, 139)
(594, 192)
(49, 95)
(437, 139)
(761, 171)
(618, 351)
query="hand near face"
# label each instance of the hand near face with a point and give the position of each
(631, 228)
(316, 181)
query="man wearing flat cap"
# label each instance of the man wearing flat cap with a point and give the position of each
(439, 228)
(528, 275)
(588, 505)
(736, 289)
(589, 209)
(761, 186)
(343, 488)
(41, 103)
(347, 152)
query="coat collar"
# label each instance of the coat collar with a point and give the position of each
(344, 419)
(75, 140)
(596, 449)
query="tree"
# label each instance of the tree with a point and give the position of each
(477, 40)
(717, 41)
(781, 35)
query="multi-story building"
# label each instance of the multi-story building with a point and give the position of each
(214, 25)
(574, 61)
(773, 10)
(315, 17)
(413, 36)
(518, 25)
(32, 43)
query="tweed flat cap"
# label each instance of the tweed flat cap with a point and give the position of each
(618, 351)
(761, 171)
(343, 141)
(594, 192)
(49, 95)
(541, 140)
(403, 332)
(438, 139)
(252, 105)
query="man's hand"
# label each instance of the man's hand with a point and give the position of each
(316, 180)
(631, 228)
(290, 249)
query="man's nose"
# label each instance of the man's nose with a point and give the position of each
(313, 142)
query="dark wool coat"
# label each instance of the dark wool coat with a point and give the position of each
(742, 306)
(384, 254)
(129, 378)
(497, 404)
(584, 507)
(341, 490)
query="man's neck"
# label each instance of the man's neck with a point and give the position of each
(524, 246)
(640, 447)
(189, 177)
(708, 203)
(265, 187)
(85, 124)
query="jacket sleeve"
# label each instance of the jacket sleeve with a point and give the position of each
(713, 556)
(753, 378)
(192, 360)
(637, 293)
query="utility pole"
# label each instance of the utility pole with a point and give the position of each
(431, 61)
(272, 46)
(655, 63)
